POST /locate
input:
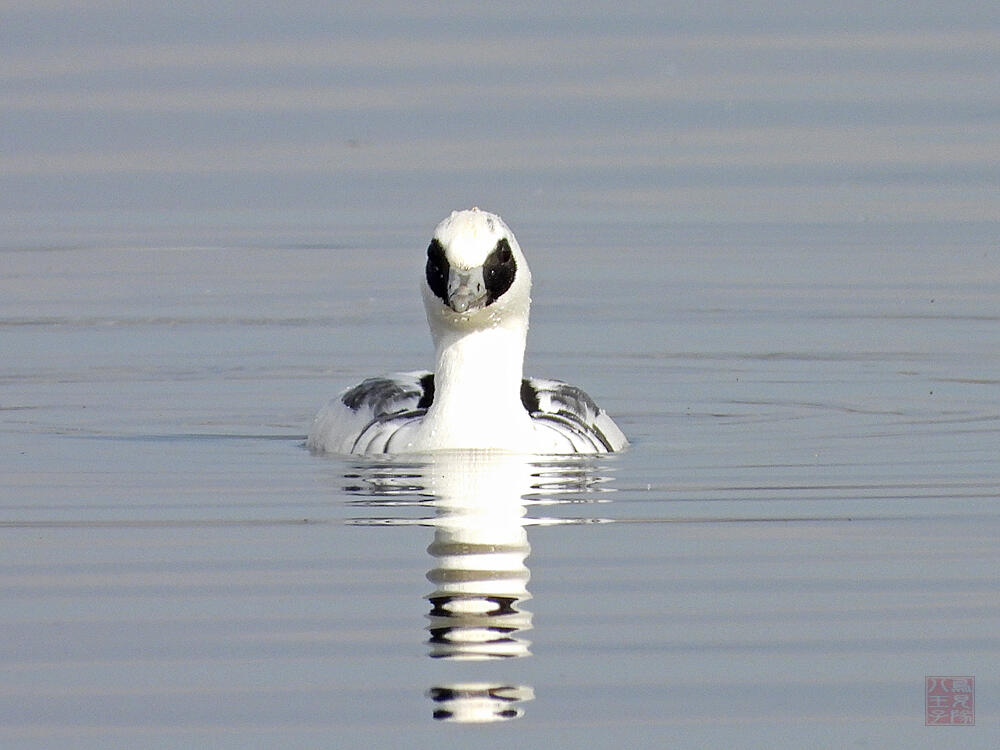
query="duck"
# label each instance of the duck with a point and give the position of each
(476, 290)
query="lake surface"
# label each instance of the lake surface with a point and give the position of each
(769, 246)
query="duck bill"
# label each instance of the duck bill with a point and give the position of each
(466, 290)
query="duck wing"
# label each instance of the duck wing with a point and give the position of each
(365, 418)
(569, 411)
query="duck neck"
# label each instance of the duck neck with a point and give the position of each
(477, 376)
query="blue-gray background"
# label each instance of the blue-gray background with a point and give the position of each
(766, 239)
(287, 117)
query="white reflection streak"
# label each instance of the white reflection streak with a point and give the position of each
(480, 549)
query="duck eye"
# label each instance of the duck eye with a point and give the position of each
(499, 270)
(437, 270)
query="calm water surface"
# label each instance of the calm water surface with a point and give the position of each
(768, 246)
(805, 526)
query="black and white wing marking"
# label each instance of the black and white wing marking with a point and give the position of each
(573, 414)
(366, 418)
(369, 417)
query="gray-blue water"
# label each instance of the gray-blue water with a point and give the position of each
(768, 242)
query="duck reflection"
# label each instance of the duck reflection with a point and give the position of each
(479, 702)
(480, 547)
(479, 552)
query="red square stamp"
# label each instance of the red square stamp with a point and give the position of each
(950, 701)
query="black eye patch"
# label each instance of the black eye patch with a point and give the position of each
(499, 270)
(437, 270)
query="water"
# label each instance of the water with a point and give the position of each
(768, 246)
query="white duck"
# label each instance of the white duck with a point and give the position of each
(476, 293)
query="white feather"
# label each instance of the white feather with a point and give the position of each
(476, 398)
